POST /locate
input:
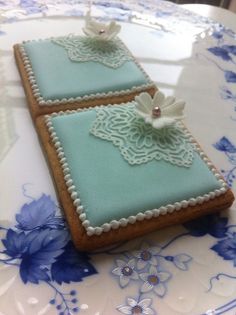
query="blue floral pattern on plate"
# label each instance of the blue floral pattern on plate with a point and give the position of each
(229, 150)
(40, 246)
(147, 267)
(225, 247)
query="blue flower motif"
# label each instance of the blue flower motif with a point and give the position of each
(146, 255)
(37, 250)
(225, 145)
(137, 307)
(71, 265)
(125, 270)
(230, 76)
(226, 248)
(39, 213)
(180, 261)
(220, 52)
(155, 281)
(212, 224)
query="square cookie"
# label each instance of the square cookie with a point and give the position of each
(78, 71)
(118, 178)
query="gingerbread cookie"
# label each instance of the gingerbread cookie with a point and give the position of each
(125, 170)
(79, 71)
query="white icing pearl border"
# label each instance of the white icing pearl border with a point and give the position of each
(115, 224)
(42, 102)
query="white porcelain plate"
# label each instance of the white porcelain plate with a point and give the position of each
(186, 269)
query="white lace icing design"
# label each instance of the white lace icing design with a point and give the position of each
(139, 142)
(111, 53)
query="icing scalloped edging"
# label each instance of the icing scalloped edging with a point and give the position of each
(148, 214)
(42, 102)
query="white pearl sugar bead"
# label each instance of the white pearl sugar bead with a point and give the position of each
(177, 206)
(123, 222)
(148, 214)
(67, 176)
(61, 154)
(200, 200)
(192, 201)
(106, 227)
(66, 170)
(212, 195)
(71, 189)
(115, 224)
(206, 197)
(223, 190)
(184, 203)
(69, 182)
(62, 160)
(90, 231)
(156, 212)
(76, 202)
(163, 210)
(82, 216)
(132, 219)
(79, 209)
(74, 195)
(86, 223)
(170, 208)
(218, 192)
(98, 230)
(140, 216)
(57, 144)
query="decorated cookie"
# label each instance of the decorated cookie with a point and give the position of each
(78, 71)
(125, 170)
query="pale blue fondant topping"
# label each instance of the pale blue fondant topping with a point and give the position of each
(109, 188)
(58, 77)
